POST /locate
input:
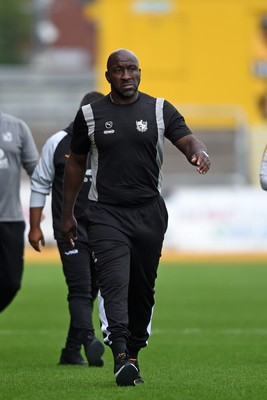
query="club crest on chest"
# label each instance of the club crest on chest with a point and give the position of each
(141, 126)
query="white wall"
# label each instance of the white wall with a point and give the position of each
(206, 219)
(230, 219)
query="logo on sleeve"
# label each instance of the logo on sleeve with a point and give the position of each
(7, 136)
(141, 126)
(108, 130)
(3, 160)
(88, 176)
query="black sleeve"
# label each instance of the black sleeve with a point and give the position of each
(175, 126)
(80, 143)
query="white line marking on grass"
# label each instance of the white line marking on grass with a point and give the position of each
(198, 331)
(182, 331)
(5, 332)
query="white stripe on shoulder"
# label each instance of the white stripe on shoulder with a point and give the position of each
(56, 138)
(89, 118)
(159, 113)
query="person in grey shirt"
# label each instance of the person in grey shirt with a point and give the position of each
(17, 151)
(263, 170)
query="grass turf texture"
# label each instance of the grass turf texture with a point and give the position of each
(209, 339)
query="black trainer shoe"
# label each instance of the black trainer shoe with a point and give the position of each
(94, 350)
(71, 357)
(126, 373)
(135, 362)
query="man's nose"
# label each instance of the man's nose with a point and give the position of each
(126, 74)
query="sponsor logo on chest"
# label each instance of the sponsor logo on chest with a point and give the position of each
(109, 130)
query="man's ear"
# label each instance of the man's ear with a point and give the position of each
(107, 77)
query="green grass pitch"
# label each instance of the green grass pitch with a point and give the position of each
(208, 342)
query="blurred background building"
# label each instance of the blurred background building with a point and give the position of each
(209, 58)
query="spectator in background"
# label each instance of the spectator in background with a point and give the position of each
(17, 151)
(77, 264)
(127, 217)
(263, 167)
(263, 170)
(260, 49)
(263, 105)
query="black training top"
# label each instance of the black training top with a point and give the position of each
(126, 143)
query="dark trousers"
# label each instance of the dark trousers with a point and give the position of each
(11, 260)
(82, 291)
(126, 245)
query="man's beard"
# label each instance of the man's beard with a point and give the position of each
(127, 92)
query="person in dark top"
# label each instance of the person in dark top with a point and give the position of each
(127, 217)
(77, 264)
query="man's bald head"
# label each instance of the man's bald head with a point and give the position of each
(121, 54)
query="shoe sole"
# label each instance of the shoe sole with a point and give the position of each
(95, 352)
(127, 375)
(84, 364)
(139, 381)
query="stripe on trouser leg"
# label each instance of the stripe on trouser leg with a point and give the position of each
(150, 324)
(103, 319)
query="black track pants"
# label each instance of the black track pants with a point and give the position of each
(82, 290)
(11, 260)
(126, 245)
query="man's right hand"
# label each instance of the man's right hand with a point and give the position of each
(36, 237)
(68, 229)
